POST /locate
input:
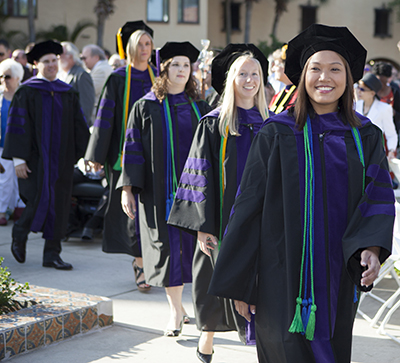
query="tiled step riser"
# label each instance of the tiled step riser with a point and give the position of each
(44, 324)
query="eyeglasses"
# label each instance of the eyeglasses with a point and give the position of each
(5, 76)
(83, 58)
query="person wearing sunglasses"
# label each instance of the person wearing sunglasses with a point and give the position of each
(380, 113)
(11, 73)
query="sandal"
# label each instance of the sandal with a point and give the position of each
(141, 285)
(173, 332)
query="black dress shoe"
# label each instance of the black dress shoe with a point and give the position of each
(58, 264)
(205, 358)
(18, 250)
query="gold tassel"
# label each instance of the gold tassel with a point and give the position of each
(121, 50)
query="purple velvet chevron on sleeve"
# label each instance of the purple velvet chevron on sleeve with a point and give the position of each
(190, 182)
(16, 119)
(197, 164)
(380, 198)
(133, 147)
(104, 114)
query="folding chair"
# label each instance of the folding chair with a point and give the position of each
(382, 329)
(388, 267)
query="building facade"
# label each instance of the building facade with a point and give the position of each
(371, 21)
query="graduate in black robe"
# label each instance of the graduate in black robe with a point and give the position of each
(198, 207)
(314, 214)
(122, 89)
(46, 135)
(158, 137)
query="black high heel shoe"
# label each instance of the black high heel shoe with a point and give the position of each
(205, 358)
(175, 332)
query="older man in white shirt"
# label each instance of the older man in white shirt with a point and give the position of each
(95, 61)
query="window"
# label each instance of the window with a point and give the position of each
(308, 16)
(16, 8)
(157, 10)
(235, 16)
(382, 23)
(188, 11)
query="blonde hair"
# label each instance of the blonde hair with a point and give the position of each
(228, 115)
(132, 46)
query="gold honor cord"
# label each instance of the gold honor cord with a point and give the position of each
(278, 109)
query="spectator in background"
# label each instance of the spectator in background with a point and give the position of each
(11, 74)
(73, 74)
(5, 51)
(390, 92)
(115, 61)
(19, 56)
(95, 61)
(380, 113)
(286, 97)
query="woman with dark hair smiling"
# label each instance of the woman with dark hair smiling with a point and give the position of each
(158, 137)
(313, 219)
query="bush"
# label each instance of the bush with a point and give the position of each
(8, 289)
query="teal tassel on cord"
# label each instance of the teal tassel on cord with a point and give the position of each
(297, 323)
(311, 323)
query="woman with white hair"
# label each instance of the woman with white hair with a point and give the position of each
(11, 74)
(212, 173)
(122, 89)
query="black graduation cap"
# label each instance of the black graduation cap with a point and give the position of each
(319, 37)
(372, 82)
(223, 61)
(127, 30)
(43, 48)
(173, 49)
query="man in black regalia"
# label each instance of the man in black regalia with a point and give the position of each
(46, 135)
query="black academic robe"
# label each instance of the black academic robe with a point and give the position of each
(120, 234)
(197, 207)
(260, 258)
(47, 129)
(167, 252)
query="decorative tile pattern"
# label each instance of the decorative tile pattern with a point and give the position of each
(2, 346)
(105, 320)
(72, 324)
(34, 335)
(54, 316)
(53, 330)
(89, 319)
(15, 341)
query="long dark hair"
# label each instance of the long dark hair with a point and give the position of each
(160, 86)
(303, 107)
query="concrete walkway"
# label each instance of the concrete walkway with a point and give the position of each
(140, 318)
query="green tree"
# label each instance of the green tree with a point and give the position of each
(268, 48)
(395, 4)
(103, 9)
(61, 32)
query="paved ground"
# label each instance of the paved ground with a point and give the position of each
(140, 318)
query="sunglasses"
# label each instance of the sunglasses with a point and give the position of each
(5, 76)
(83, 58)
(2, 54)
(363, 89)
